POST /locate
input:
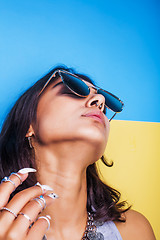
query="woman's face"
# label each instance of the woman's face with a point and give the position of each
(63, 116)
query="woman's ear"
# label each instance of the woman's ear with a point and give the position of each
(30, 132)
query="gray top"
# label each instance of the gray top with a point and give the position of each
(109, 231)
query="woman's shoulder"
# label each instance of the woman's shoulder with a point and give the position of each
(136, 227)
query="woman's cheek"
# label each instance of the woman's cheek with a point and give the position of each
(46, 129)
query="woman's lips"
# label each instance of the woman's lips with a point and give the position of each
(96, 115)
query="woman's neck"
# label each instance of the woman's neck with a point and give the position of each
(68, 180)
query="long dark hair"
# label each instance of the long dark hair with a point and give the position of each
(15, 154)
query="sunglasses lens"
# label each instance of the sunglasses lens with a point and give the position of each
(112, 102)
(75, 84)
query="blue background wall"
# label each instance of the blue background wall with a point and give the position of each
(115, 42)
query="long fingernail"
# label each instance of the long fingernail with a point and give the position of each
(53, 195)
(44, 187)
(26, 170)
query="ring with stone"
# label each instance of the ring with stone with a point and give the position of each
(39, 202)
(16, 174)
(43, 200)
(7, 179)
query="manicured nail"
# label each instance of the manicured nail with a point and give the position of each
(44, 187)
(26, 170)
(53, 195)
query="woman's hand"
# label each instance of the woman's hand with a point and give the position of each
(18, 215)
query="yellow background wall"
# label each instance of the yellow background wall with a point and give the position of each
(135, 149)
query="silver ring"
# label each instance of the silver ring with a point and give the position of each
(8, 210)
(7, 179)
(43, 200)
(16, 174)
(46, 218)
(39, 202)
(26, 216)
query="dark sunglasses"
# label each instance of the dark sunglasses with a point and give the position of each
(81, 89)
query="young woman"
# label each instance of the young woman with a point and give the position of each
(49, 144)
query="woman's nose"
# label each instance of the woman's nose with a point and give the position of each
(96, 100)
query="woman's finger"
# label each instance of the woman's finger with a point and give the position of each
(39, 228)
(28, 215)
(23, 197)
(9, 184)
(17, 203)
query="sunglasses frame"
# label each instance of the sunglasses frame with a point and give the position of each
(94, 87)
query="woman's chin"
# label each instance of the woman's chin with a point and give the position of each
(95, 141)
(94, 135)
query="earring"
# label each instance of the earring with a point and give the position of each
(30, 143)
